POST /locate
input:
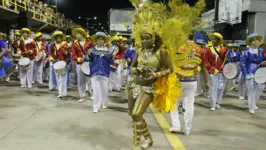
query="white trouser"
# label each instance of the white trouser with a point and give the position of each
(200, 84)
(242, 88)
(74, 69)
(100, 91)
(129, 75)
(116, 79)
(188, 89)
(62, 84)
(45, 72)
(217, 86)
(254, 92)
(38, 72)
(26, 75)
(82, 81)
(52, 85)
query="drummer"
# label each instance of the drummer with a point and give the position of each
(27, 48)
(215, 57)
(38, 65)
(233, 57)
(100, 70)
(242, 88)
(2, 53)
(129, 55)
(250, 62)
(79, 52)
(59, 51)
(15, 45)
(8, 66)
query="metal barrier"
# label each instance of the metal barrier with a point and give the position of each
(36, 15)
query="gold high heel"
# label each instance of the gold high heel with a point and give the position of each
(137, 133)
(148, 139)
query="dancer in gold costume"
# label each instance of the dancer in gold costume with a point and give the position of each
(159, 32)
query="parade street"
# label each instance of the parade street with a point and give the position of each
(36, 119)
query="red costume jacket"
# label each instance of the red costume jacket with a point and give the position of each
(214, 61)
(28, 50)
(41, 46)
(77, 51)
(59, 54)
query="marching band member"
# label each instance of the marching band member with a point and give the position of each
(59, 51)
(215, 57)
(52, 75)
(116, 68)
(189, 87)
(129, 55)
(15, 45)
(101, 59)
(8, 66)
(250, 62)
(27, 48)
(234, 57)
(242, 88)
(38, 66)
(200, 85)
(2, 53)
(46, 64)
(80, 49)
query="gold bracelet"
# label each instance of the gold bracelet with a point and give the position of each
(162, 73)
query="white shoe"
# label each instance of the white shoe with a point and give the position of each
(212, 109)
(60, 96)
(91, 97)
(218, 106)
(187, 133)
(95, 110)
(81, 100)
(30, 87)
(32, 82)
(174, 130)
(104, 106)
(252, 112)
(7, 79)
(256, 108)
(241, 97)
(23, 86)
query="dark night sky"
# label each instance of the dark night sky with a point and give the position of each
(91, 8)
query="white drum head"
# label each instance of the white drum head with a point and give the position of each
(230, 71)
(24, 61)
(260, 76)
(85, 68)
(39, 56)
(59, 65)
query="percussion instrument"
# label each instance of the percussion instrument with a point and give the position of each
(231, 71)
(39, 56)
(85, 68)
(260, 76)
(24, 63)
(60, 67)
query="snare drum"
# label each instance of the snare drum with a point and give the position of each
(260, 76)
(60, 67)
(24, 63)
(39, 56)
(85, 68)
(231, 71)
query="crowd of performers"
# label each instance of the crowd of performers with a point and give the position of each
(155, 75)
(97, 62)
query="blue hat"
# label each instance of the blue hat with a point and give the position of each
(253, 35)
(200, 41)
(235, 45)
(131, 37)
(100, 34)
(242, 43)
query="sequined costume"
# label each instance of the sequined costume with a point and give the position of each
(155, 66)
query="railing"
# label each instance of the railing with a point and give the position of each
(45, 16)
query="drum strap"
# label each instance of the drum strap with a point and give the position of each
(217, 52)
(81, 48)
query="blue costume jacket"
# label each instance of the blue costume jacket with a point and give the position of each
(130, 53)
(234, 56)
(100, 64)
(250, 61)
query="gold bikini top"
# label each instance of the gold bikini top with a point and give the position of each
(149, 60)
